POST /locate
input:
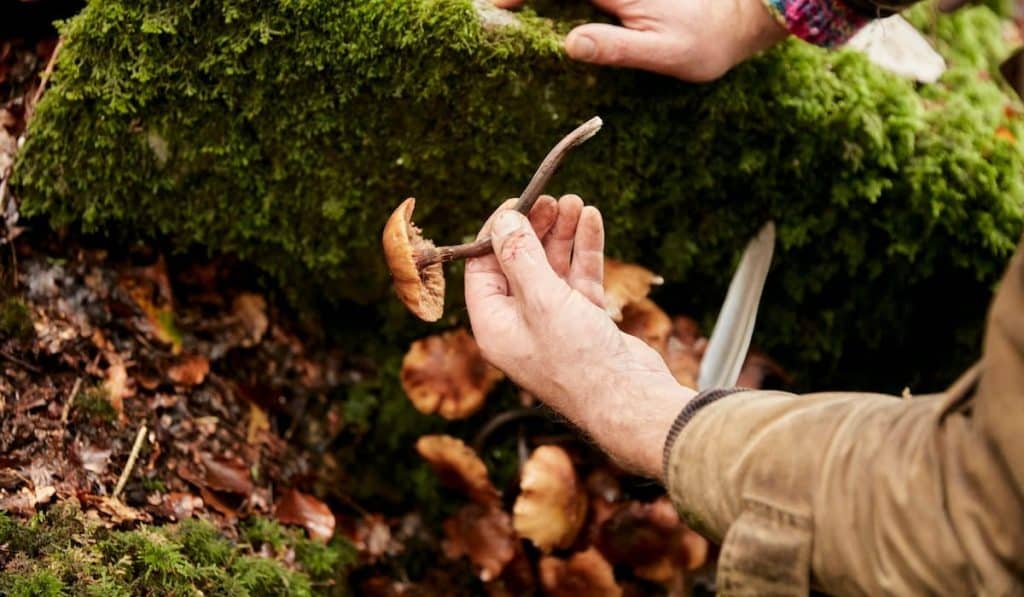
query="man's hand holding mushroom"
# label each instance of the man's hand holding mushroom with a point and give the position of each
(536, 307)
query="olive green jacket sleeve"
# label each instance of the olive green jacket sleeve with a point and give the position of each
(868, 494)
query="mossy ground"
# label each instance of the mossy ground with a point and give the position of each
(57, 553)
(285, 132)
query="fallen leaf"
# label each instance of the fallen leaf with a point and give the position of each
(306, 511)
(219, 474)
(117, 385)
(180, 506)
(189, 371)
(259, 425)
(115, 510)
(94, 459)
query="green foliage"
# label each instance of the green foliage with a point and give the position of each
(15, 319)
(285, 132)
(56, 555)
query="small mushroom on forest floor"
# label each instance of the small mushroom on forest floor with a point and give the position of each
(415, 262)
(458, 467)
(446, 374)
(624, 284)
(484, 534)
(552, 504)
(585, 573)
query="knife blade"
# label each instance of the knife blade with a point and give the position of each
(727, 349)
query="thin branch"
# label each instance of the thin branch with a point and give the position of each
(71, 398)
(136, 447)
(43, 81)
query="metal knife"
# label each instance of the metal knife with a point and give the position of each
(727, 349)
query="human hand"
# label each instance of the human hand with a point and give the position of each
(536, 307)
(693, 40)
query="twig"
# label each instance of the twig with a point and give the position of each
(136, 447)
(44, 79)
(17, 361)
(71, 398)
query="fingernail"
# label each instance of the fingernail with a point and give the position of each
(581, 47)
(508, 222)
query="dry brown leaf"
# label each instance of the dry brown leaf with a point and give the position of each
(189, 371)
(552, 503)
(447, 375)
(458, 467)
(585, 573)
(180, 506)
(259, 425)
(483, 534)
(115, 510)
(626, 283)
(117, 385)
(306, 511)
(219, 474)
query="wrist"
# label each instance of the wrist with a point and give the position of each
(631, 416)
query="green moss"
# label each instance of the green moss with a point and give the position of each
(41, 583)
(285, 132)
(93, 403)
(15, 319)
(56, 555)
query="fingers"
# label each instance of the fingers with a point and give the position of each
(507, 3)
(599, 43)
(522, 258)
(484, 277)
(558, 242)
(586, 273)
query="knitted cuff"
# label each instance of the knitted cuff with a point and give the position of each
(826, 23)
(692, 407)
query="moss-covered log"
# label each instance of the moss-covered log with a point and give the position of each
(285, 131)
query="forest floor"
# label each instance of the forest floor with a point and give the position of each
(165, 427)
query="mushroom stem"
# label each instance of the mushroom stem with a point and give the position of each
(525, 203)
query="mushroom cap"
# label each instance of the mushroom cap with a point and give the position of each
(484, 534)
(458, 467)
(422, 291)
(645, 320)
(650, 539)
(446, 374)
(626, 283)
(552, 503)
(585, 573)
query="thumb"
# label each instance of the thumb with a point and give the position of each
(522, 258)
(598, 43)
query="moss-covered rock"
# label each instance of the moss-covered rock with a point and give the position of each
(285, 132)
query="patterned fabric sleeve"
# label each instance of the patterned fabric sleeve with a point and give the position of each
(826, 23)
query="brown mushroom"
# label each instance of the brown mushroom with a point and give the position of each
(484, 534)
(652, 541)
(645, 320)
(624, 284)
(458, 467)
(585, 573)
(415, 262)
(447, 375)
(552, 503)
